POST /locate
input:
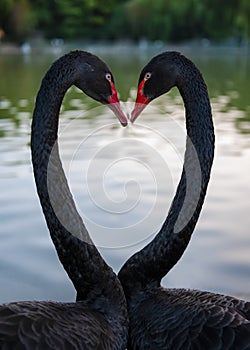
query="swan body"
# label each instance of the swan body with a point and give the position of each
(187, 319)
(53, 325)
(98, 318)
(178, 318)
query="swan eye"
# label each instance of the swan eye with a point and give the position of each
(108, 77)
(147, 76)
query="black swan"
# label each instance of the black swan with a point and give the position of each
(179, 318)
(98, 318)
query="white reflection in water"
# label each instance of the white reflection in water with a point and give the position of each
(122, 177)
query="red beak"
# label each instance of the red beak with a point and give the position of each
(141, 102)
(114, 105)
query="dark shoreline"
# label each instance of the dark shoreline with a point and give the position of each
(125, 47)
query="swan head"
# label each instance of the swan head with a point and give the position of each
(95, 79)
(156, 78)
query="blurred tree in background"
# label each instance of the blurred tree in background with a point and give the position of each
(168, 20)
(16, 18)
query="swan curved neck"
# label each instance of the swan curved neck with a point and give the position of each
(151, 264)
(89, 273)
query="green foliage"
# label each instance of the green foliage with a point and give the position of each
(16, 18)
(243, 18)
(179, 20)
(5, 10)
(111, 19)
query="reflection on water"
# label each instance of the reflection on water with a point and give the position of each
(123, 179)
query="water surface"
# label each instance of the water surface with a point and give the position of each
(123, 179)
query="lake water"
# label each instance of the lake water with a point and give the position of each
(123, 179)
